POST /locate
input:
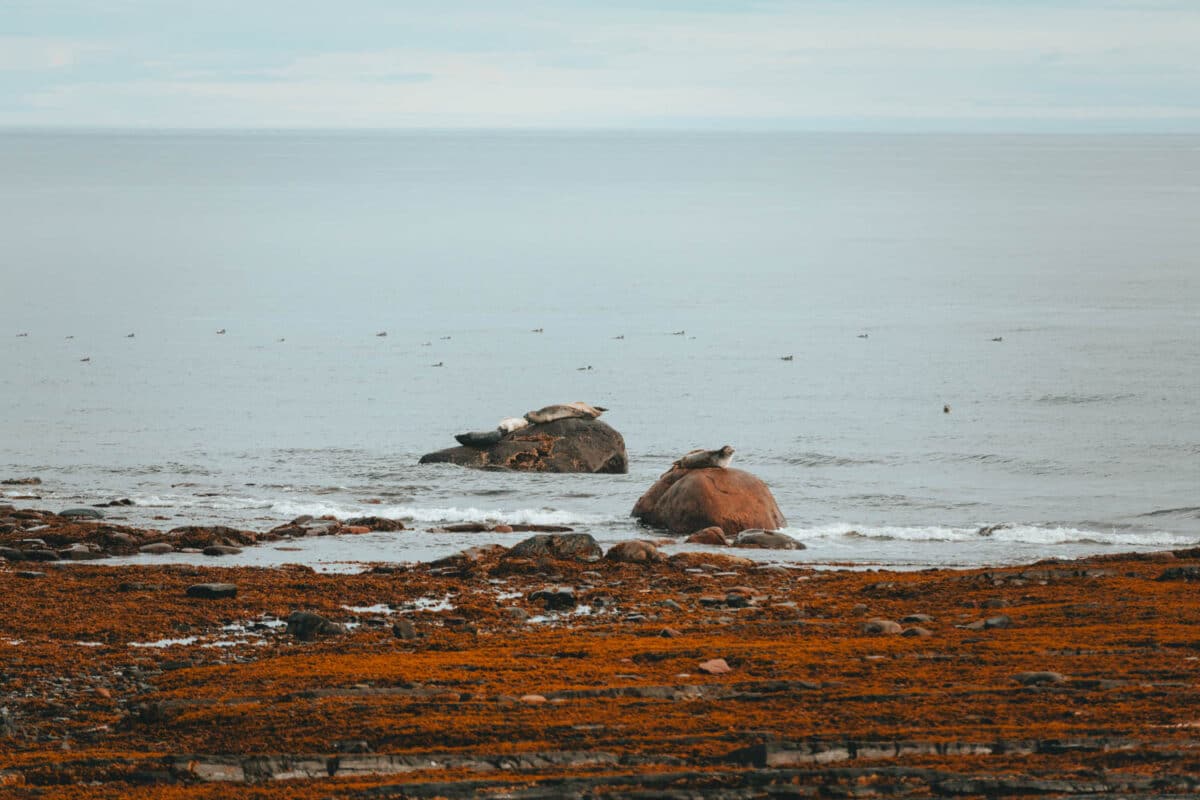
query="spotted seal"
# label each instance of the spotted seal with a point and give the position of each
(577, 409)
(480, 439)
(702, 459)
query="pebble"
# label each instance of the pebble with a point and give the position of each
(516, 613)
(212, 591)
(912, 619)
(532, 699)
(1044, 678)
(82, 513)
(882, 627)
(306, 626)
(917, 632)
(715, 666)
(157, 548)
(403, 629)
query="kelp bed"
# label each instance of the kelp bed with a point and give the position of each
(1065, 678)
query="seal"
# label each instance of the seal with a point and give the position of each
(480, 439)
(703, 459)
(577, 409)
(510, 424)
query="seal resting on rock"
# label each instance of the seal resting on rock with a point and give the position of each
(703, 459)
(686, 500)
(480, 438)
(577, 410)
(510, 424)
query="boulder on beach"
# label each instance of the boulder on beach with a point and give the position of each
(561, 546)
(635, 552)
(767, 540)
(686, 500)
(565, 445)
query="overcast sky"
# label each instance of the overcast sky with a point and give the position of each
(1073, 65)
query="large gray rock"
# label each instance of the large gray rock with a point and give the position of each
(767, 540)
(565, 445)
(563, 546)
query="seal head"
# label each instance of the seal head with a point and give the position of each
(704, 459)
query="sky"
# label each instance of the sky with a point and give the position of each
(878, 65)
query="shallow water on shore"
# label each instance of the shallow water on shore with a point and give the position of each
(885, 266)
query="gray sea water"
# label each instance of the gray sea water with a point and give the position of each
(886, 266)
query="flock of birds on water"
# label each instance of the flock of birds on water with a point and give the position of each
(588, 368)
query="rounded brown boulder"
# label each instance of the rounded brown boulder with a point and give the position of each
(686, 500)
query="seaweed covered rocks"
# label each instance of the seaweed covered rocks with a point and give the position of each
(571, 444)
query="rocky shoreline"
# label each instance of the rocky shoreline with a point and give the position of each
(551, 669)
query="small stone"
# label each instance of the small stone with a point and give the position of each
(884, 627)
(532, 699)
(996, 602)
(712, 535)
(30, 574)
(916, 619)
(157, 548)
(768, 540)
(917, 632)
(1001, 621)
(306, 626)
(669, 633)
(715, 666)
(82, 513)
(212, 591)
(1045, 678)
(555, 599)
(634, 552)
(404, 629)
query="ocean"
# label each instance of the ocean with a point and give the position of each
(1045, 288)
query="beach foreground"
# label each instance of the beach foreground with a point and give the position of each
(701, 676)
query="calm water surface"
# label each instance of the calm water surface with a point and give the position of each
(886, 266)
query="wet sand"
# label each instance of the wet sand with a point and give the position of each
(702, 675)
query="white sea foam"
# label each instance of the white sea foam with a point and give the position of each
(519, 516)
(1016, 534)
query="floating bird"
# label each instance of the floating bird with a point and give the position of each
(439, 364)
(86, 358)
(787, 358)
(998, 339)
(583, 369)
(281, 340)
(221, 332)
(536, 330)
(70, 337)
(426, 344)
(19, 335)
(382, 333)
(864, 335)
(444, 338)
(946, 409)
(678, 333)
(622, 336)
(129, 336)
